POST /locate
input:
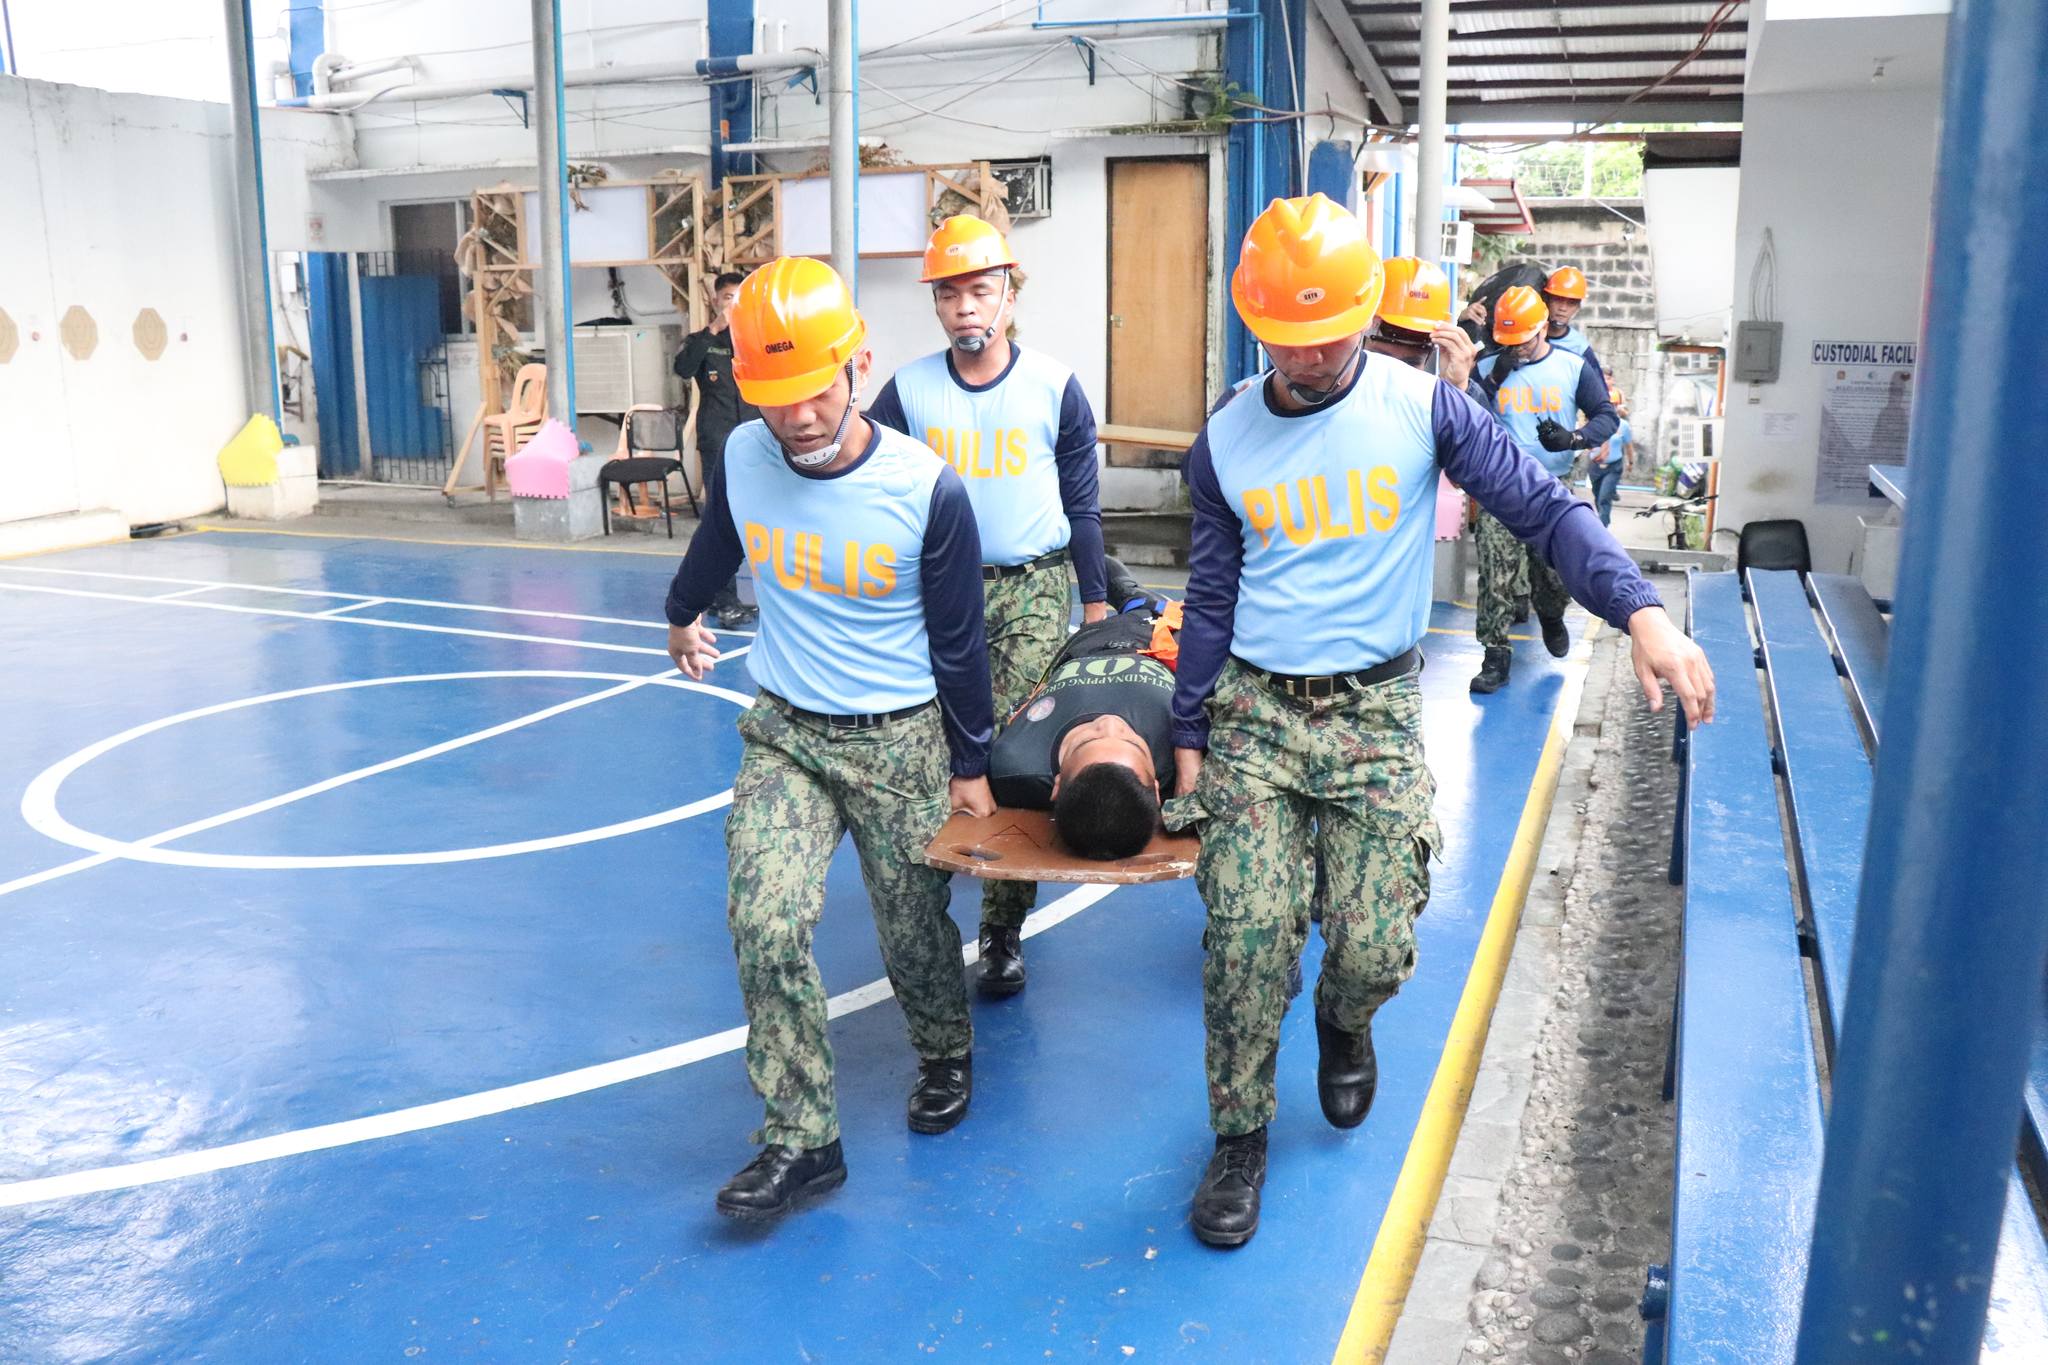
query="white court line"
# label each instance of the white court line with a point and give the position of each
(39, 801)
(357, 597)
(188, 592)
(462, 1108)
(345, 620)
(344, 607)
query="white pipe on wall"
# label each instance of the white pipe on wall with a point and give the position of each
(690, 72)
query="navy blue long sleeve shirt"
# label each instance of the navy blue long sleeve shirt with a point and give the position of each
(1479, 456)
(950, 574)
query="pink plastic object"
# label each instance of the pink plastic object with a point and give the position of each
(1450, 509)
(541, 468)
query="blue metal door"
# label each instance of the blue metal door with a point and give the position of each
(402, 352)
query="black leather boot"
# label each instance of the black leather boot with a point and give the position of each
(1347, 1073)
(1226, 1211)
(1493, 674)
(1556, 638)
(1521, 610)
(1002, 961)
(780, 1178)
(940, 1099)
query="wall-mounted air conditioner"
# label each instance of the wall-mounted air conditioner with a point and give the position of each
(1030, 184)
(1457, 246)
(617, 367)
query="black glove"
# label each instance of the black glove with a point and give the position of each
(1554, 437)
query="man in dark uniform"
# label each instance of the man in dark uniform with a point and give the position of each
(1094, 741)
(706, 361)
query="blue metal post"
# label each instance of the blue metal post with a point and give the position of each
(1945, 978)
(308, 30)
(730, 27)
(10, 65)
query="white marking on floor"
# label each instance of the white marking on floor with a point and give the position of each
(362, 598)
(39, 801)
(462, 1108)
(351, 606)
(343, 620)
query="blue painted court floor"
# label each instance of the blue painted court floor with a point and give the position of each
(368, 997)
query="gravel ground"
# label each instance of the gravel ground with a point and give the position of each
(1586, 1206)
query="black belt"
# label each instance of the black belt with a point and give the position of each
(869, 722)
(1316, 687)
(991, 573)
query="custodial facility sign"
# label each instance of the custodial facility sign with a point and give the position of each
(1866, 407)
(1865, 352)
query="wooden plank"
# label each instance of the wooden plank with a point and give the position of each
(1749, 1121)
(1862, 642)
(1827, 771)
(1019, 845)
(1160, 437)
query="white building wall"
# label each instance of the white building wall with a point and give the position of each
(117, 203)
(1021, 102)
(1844, 181)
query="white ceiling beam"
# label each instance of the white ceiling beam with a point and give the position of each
(1345, 30)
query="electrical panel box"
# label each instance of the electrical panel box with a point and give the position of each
(1757, 345)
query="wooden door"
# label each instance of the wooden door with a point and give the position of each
(1158, 300)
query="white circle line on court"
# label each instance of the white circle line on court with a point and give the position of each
(39, 801)
(441, 1113)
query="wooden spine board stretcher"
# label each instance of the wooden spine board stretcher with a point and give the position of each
(1020, 846)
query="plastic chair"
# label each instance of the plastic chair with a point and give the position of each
(506, 432)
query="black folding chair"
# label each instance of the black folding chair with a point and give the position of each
(653, 469)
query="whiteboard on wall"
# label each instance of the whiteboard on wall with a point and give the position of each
(612, 228)
(892, 215)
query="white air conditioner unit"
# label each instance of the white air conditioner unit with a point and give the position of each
(1696, 438)
(1029, 184)
(1457, 245)
(617, 367)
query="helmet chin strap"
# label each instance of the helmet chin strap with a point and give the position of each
(974, 343)
(829, 452)
(1302, 393)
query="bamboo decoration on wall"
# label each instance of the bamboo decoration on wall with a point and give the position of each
(495, 255)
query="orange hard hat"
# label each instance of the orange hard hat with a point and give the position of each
(1417, 295)
(965, 246)
(793, 328)
(1519, 314)
(1567, 282)
(1306, 274)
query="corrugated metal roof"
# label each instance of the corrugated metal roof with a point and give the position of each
(1546, 62)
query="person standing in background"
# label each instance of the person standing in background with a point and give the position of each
(706, 361)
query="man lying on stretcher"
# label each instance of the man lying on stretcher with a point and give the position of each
(1094, 742)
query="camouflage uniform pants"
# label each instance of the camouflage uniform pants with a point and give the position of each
(1287, 784)
(801, 785)
(1026, 620)
(1501, 558)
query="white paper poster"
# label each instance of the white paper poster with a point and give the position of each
(1865, 410)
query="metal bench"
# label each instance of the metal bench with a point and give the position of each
(1748, 1080)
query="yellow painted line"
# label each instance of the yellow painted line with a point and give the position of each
(675, 552)
(1397, 1249)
